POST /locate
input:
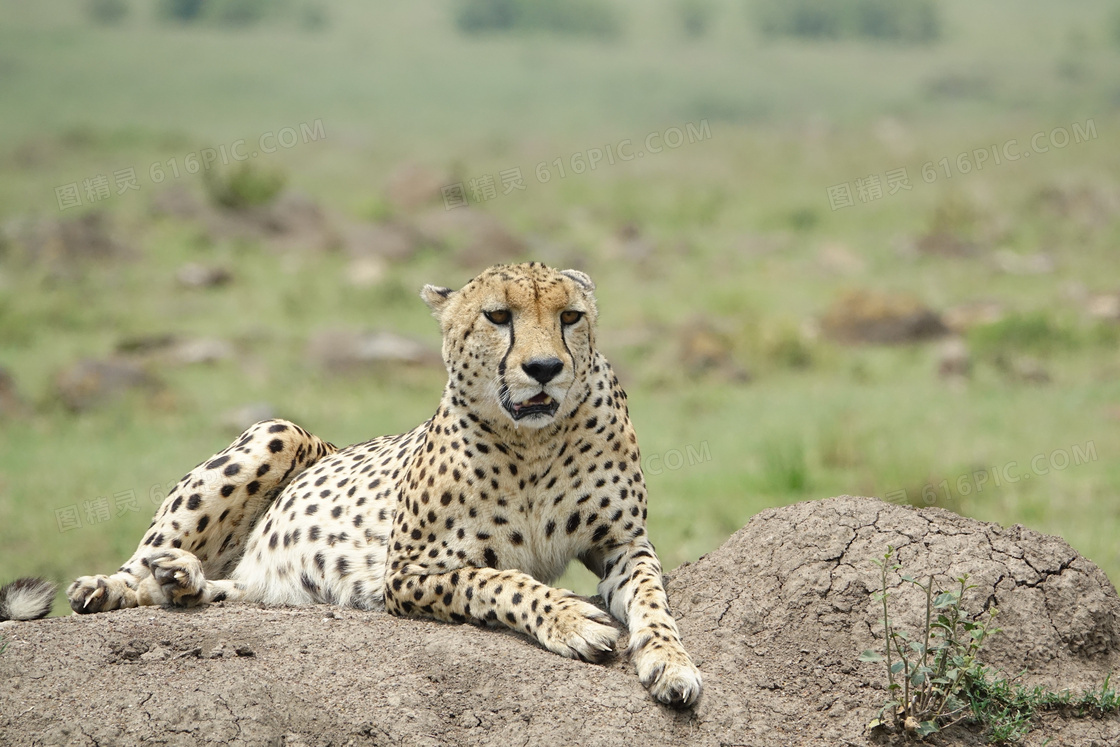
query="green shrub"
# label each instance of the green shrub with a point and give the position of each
(237, 12)
(694, 17)
(219, 12)
(313, 16)
(107, 12)
(915, 21)
(784, 468)
(573, 17)
(1034, 332)
(180, 10)
(243, 186)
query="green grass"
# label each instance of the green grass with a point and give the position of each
(737, 223)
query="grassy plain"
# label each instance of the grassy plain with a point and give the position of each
(739, 224)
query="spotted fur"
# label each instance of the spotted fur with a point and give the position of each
(529, 462)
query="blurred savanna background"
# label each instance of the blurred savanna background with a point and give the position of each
(841, 246)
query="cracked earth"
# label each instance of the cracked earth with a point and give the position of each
(776, 620)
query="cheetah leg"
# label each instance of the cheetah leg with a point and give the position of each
(207, 516)
(177, 579)
(561, 621)
(631, 586)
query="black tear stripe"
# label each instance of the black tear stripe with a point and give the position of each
(502, 363)
(564, 339)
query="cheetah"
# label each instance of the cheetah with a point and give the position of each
(529, 462)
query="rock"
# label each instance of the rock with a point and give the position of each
(366, 272)
(776, 619)
(872, 317)
(475, 238)
(631, 246)
(62, 242)
(196, 275)
(1092, 206)
(1012, 263)
(964, 317)
(92, 382)
(196, 350)
(953, 359)
(340, 350)
(170, 349)
(292, 221)
(146, 344)
(1024, 368)
(412, 186)
(1105, 307)
(177, 201)
(835, 258)
(944, 243)
(11, 403)
(295, 221)
(705, 350)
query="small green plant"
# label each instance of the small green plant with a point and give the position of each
(233, 13)
(785, 469)
(574, 18)
(694, 17)
(243, 186)
(1032, 332)
(935, 679)
(180, 10)
(927, 675)
(107, 12)
(918, 21)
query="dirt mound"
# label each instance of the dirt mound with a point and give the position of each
(775, 618)
(872, 317)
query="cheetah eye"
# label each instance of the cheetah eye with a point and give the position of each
(500, 317)
(570, 317)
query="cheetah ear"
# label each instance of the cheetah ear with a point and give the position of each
(581, 278)
(436, 297)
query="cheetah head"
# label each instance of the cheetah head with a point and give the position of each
(518, 342)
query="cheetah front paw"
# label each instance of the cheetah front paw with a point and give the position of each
(579, 630)
(666, 670)
(89, 594)
(176, 579)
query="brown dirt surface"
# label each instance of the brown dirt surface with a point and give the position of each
(776, 619)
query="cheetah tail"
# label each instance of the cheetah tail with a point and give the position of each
(26, 599)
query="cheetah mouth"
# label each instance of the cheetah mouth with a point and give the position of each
(541, 404)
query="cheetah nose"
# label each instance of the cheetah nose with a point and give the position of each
(543, 370)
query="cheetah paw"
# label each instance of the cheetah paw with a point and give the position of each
(176, 579)
(668, 674)
(89, 594)
(580, 630)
